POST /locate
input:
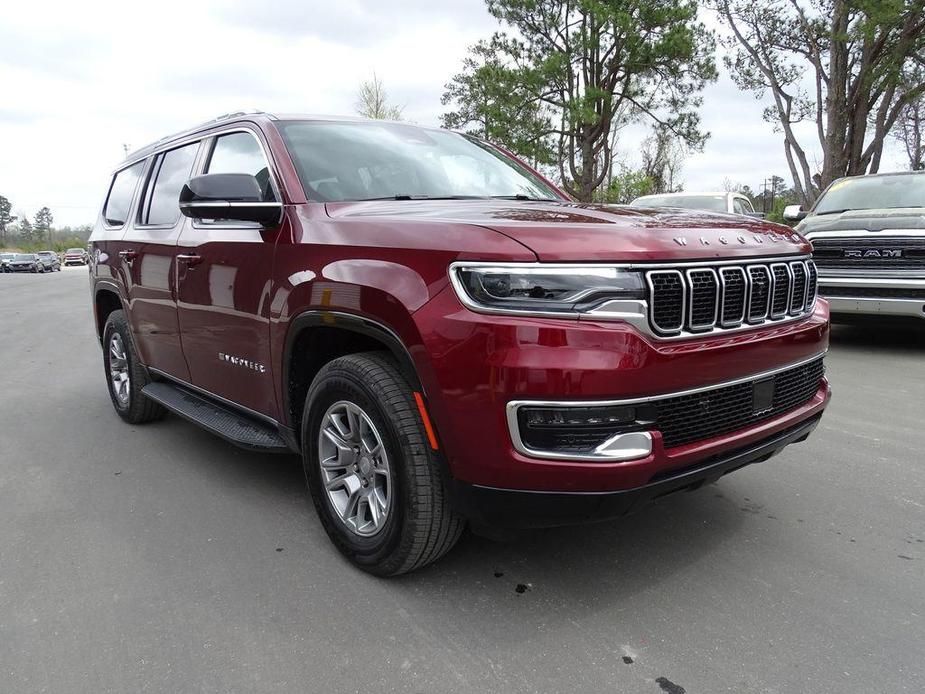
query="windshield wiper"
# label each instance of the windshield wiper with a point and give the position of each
(847, 209)
(521, 196)
(423, 197)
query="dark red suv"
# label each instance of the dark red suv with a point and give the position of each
(441, 333)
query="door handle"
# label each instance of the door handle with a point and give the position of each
(189, 258)
(128, 256)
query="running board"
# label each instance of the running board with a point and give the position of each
(222, 420)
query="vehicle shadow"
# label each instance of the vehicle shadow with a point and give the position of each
(895, 335)
(574, 572)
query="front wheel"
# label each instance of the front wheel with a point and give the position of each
(125, 374)
(373, 477)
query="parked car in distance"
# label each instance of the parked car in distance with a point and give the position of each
(441, 333)
(733, 203)
(49, 260)
(76, 256)
(868, 236)
(26, 262)
(5, 259)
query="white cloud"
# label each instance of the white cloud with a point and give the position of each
(83, 79)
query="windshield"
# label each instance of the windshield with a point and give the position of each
(74, 250)
(24, 256)
(46, 253)
(873, 192)
(339, 161)
(716, 203)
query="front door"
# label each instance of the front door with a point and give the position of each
(224, 275)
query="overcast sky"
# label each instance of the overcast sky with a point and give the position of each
(82, 79)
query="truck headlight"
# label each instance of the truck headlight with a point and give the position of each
(567, 289)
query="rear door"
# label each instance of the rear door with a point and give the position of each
(149, 250)
(224, 282)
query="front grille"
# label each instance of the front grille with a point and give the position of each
(688, 418)
(873, 253)
(703, 299)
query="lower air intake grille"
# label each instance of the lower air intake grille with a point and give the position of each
(688, 418)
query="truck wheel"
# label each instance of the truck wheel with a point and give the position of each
(370, 470)
(125, 375)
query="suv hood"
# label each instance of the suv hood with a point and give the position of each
(571, 232)
(865, 220)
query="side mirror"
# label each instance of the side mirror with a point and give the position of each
(794, 213)
(230, 196)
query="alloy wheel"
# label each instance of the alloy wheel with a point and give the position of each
(118, 370)
(355, 468)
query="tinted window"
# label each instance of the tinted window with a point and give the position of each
(873, 192)
(367, 160)
(172, 169)
(240, 153)
(120, 195)
(738, 206)
(694, 202)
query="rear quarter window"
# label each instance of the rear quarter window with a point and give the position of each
(119, 201)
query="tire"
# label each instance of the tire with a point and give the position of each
(419, 526)
(129, 404)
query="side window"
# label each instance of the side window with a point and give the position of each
(738, 206)
(747, 204)
(119, 200)
(170, 171)
(241, 153)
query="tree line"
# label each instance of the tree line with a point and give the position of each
(560, 79)
(40, 233)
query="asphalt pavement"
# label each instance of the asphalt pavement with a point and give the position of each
(159, 558)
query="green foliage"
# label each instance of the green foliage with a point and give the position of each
(6, 218)
(847, 66)
(628, 185)
(43, 222)
(496, 103)
(586, 67)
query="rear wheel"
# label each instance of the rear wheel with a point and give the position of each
(373, 478)
(125, 374)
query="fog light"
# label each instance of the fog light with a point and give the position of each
(616, 432)
(578, 416)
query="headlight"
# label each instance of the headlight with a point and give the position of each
(565, 289)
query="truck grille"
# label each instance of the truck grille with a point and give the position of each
(705, 414)
(873, 253)
(704, 299)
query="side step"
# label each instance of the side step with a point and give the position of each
(231, 425)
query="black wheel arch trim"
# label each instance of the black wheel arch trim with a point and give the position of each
(354, 323)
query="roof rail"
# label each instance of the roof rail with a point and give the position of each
(213, 121)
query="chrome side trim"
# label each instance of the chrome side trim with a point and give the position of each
(514, 405)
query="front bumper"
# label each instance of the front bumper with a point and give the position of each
(875, 296)
(506, 508)
(472, 366)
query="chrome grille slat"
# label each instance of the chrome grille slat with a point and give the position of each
(733, 296)
(703, 298)
(716, 297)
(798, 290)
(759, 293)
